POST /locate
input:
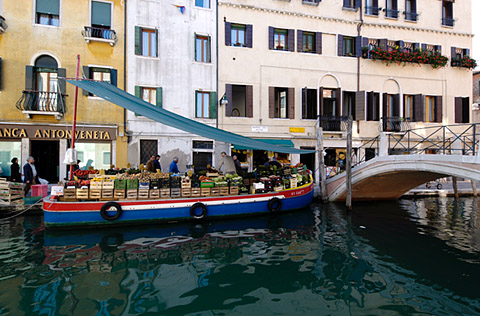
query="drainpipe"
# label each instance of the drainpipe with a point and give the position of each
(216, 82)
(359, 33)
(125, 67)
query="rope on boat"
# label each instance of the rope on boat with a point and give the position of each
(22, 212)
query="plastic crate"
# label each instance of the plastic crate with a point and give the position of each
(40, 190)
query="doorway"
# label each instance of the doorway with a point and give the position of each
(47, 158)
(309, 160)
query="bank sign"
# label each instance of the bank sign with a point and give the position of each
(60, 132)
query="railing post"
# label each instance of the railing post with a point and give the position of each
(474, 145)
(444, 133)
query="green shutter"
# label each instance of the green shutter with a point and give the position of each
(101, 13)
(212, 113)
(209, 51)
(48, 7)
(138, 94)
(195, 46)
(159, 97)
(138, 40)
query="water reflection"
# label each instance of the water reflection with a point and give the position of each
(413, 257)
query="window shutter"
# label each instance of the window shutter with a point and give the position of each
(62, 84)
(438, 109)
(291, 102)
(365, 41)
(320, 93)
(304, 103)
(414, 6)
(228, 34)
(138, 40)
(195, 46)
(249, 101)
(358, 3)
(291, 40)
(340, 45)
(249, 35)
(338, 94)
(212, 113)
(453, 52)
(48, 7)
(467, 52)
(270, 37)
(360, 105)
(101, 13)
(370, 109)
(395, 7)
(156, 43)
(138, 94)
(384, 105)
(209, 50)
(229, 95)
(271, 102)
(458, 110)
(418, 107)
(318, 42)
(86, 74)
(383, 43)
(346, 3)
(29, 78)
(358, 46)
(438, 48)
(396, 105)
(113, 77)
(299, 41)
(159, 101)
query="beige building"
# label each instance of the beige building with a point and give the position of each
(286, 66)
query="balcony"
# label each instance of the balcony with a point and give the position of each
(3, 25)
(369, 10)
(97, 34)
(395, 124)
(333, 123)
(391, 13)
(42, 103)
(411, 16)
(448, 22)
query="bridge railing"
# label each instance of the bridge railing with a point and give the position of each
(446, 139)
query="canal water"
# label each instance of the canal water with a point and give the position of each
(407, 257)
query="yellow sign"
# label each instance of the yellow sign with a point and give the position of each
(297, 129)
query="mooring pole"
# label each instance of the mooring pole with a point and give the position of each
(455, 188)
(474, 188)
(348, 202)
(321, 165)
(74, 125)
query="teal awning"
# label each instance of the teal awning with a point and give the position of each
(277, 142)
(119, 97)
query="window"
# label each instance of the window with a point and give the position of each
(239, 100)
(148, 148)
(411, 10)
(202, 3)
(281, 107)
(430, 109)
(205, 106)
(96, 155)
(371, 7)
(351, 4)
(101, 15)
(308, 42)
(390, 106)
(408, 107)
(280, 39)
(47, 12)
(99, 74)
(373, 106)
(149, 95)
(309, 104)
(238, 35)
(202, 154)
(348, 46)
(349, 104)
(146, 42)
(391, 10)
(462, 110)
(8, 150)
(202, 49)
(447, 13)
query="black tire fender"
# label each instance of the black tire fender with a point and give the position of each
(274, 205)
(107, 206)
(194, 207)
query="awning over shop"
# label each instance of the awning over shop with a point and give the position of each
(276, 142)
(119, 97)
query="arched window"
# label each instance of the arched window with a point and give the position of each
(46, 70)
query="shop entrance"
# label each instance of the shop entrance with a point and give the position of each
(309, 160)
(47, 158)
(260, 157)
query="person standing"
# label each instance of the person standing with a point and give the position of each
(150, 167)
(156, 163)
(15, 175)
(173, 166)
(227, 163)
(30, 174)
(238, 165)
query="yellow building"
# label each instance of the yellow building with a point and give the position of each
(39, 43)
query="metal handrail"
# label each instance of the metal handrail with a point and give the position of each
(41, 101)
(391, 13)
(394, 124)
(448, 21)
(371, 10)
(97, 32)
(411, 16)
(333, 123)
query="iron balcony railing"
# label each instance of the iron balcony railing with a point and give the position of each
(333, 123)
(411, 16)
(371, 10)
(391, 13)
(41, 101)
(395, 124)
(100, 33)
(3, 25)
(448, 22)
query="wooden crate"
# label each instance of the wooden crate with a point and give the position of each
(132, 194)
(107, 193)
(95, 193)
(205, 191)
(186, 185)
(224, 191)
(186, 192)
(164, 193)
(81, 194)
(215, 192)
(195, 192)
(293, 183)
(109, 185)
(143, 194)
(175, 192)
(69, 193)
(97, 185)
(233, 190)
(154, 193)
(119, 193)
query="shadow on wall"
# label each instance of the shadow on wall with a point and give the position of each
(167, 157)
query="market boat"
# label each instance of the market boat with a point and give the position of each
(58, 213)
